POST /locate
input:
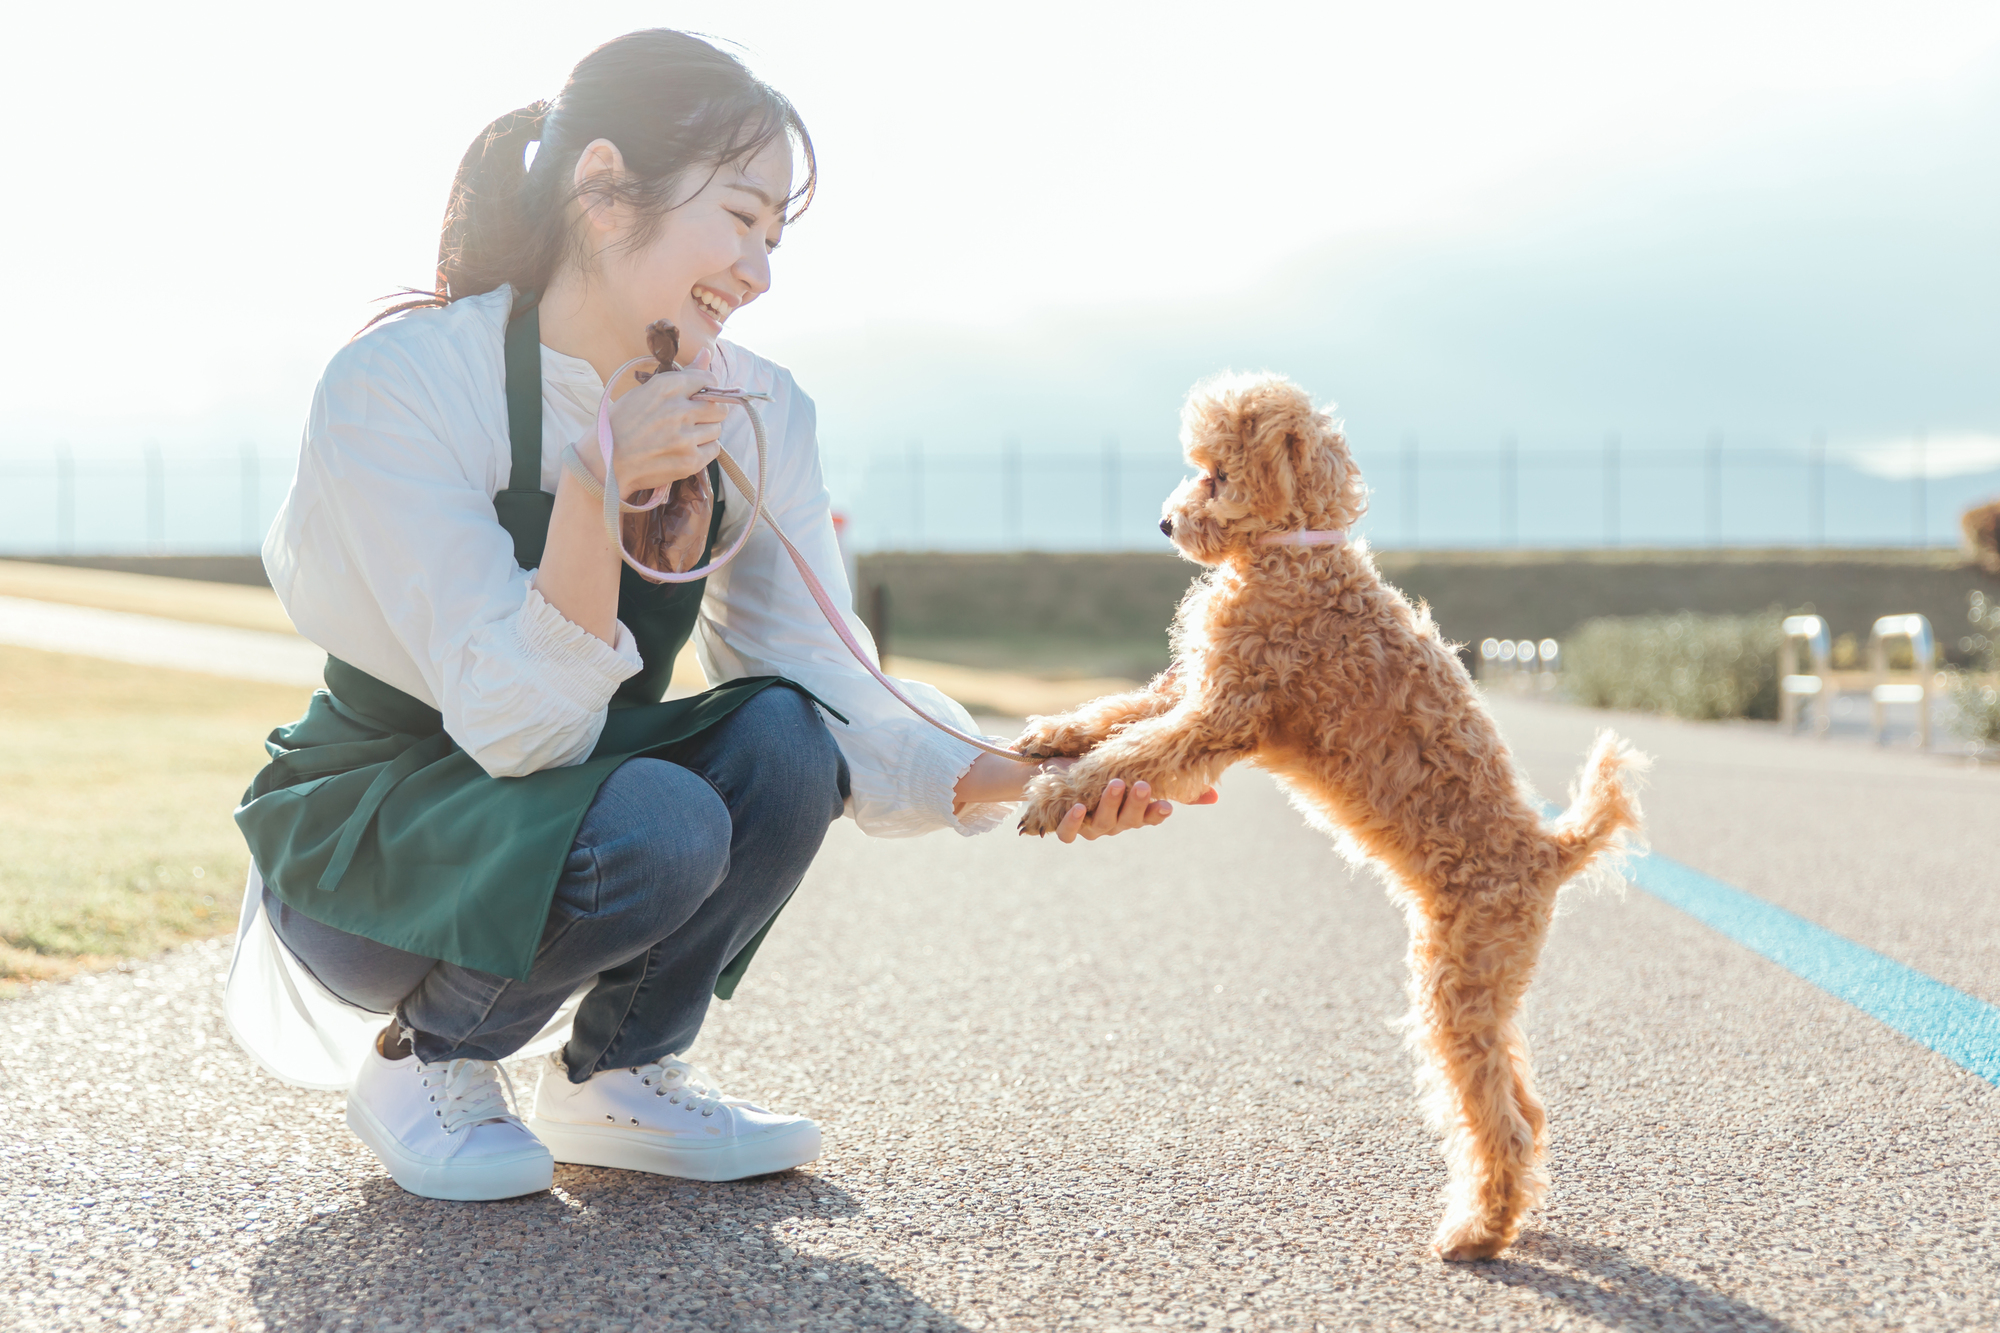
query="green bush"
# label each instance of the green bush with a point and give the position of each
(1684, 665)
(1979, 701)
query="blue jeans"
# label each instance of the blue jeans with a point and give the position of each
(678, 863)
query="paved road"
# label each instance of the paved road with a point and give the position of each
(1147, 1082)
(123, 636)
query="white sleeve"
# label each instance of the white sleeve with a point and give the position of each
(411, 513)
(758, 619)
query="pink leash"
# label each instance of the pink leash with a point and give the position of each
(614, 503)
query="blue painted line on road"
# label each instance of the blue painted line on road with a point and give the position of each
(1964, 1030)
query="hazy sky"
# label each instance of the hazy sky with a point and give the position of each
(1045, 220)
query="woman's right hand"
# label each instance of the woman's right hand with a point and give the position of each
(660, 432)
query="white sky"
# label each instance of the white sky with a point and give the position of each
(205, 197)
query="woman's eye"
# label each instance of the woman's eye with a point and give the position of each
(743, 218)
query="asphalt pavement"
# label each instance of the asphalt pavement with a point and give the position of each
(1147, 1082)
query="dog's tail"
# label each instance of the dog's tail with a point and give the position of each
(1603, 806)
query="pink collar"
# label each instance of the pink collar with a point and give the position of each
(1305, 537)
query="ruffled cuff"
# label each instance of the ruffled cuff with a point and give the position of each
(578, 665)
(976, 817)
(935, 774)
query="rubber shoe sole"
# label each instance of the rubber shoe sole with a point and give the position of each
(639, 1150)
(505, 1176)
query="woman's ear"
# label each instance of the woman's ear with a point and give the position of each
(599, 168)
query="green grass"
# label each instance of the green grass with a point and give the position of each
(116, 786)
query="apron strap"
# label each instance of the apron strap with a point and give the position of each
(524, 393)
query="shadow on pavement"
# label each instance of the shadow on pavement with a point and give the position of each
(604, 1250)
(1626, 1294)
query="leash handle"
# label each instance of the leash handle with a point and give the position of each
(755, 494)
(614, 501)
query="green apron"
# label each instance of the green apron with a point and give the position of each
(369, 817)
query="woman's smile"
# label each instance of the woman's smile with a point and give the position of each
(713, 306)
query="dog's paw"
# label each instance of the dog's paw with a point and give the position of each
(1046, 803)
(1463, 1241)
(1054, 738)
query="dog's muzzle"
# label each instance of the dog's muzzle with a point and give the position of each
(1166, 527)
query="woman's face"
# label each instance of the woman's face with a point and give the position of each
(709, 257)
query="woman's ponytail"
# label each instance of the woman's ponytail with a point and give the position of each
(485, 221)
(670, 101)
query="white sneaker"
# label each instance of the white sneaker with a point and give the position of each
(668, 1118)
(444, 1130)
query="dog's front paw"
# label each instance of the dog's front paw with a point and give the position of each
(1062, 736)
(1045, 804)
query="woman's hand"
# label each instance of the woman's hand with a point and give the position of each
(660, 432)
(994, 778)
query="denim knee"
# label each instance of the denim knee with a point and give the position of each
(653, 846)
(793, 751)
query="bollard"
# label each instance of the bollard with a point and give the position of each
(1796, 691)
(1514, 662)
(1923, 648)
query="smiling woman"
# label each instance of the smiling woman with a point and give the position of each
(491, 827)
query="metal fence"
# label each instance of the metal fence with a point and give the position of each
(1109, 498)
(1500, 496)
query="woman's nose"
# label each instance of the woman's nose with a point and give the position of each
(1166, 527)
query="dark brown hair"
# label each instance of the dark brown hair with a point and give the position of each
(671, 102)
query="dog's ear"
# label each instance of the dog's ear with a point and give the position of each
(1279, 429)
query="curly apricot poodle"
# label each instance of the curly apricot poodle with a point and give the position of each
(1293, 653)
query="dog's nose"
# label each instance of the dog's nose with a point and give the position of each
(1166, 527)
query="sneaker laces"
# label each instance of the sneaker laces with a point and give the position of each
(681, 1084)
(467, 1093)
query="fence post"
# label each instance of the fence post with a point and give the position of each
(1010, 492)
(1510, 508)
(916, 470)
(65, 500)
(1816, 489)
(251, 537)
(1410, 490)
(1715, 488)
(156, 500)
(1918, 502)
(1611, 492)
(1111, 491)
(878, 620)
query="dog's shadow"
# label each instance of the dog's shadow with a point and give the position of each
(605, 1248)
(1625, 1294)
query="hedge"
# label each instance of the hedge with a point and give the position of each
(1684, 665)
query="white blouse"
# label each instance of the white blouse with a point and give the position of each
(388, 555)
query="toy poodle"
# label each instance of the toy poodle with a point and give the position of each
(1291, 652)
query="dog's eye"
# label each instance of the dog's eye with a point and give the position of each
(1216, 479)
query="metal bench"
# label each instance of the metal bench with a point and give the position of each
(1923, 649)
(1797, 692)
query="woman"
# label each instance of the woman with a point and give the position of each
(488, 825)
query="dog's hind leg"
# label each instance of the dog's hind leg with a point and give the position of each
(1471, 959)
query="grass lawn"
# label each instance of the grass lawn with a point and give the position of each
(116, 786)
